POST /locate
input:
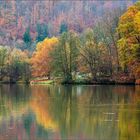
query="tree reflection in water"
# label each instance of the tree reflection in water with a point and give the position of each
(69, 112)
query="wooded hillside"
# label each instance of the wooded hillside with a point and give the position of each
(16, 17)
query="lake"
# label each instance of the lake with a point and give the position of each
(43, 112)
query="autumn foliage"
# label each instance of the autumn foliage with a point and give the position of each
(41, 60)
(107, 48)
(129, 41)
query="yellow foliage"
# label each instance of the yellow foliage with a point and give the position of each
(129, 32)
(19, 55)
(41, 60)
(137, 21)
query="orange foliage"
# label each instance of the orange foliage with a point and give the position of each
(40, 107)
(41, 60)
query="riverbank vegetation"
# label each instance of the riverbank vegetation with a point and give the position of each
(107, 52)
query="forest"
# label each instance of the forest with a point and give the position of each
(72, 42)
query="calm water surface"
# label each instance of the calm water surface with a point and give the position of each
(43, 112)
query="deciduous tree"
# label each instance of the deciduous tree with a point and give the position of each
(65, 55)
(129, 38)
(41, 59)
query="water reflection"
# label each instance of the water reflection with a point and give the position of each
(69, 112)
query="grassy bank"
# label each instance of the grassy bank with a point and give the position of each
(42, 82)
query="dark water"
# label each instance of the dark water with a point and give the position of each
(69, 112)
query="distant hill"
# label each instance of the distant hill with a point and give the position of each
(16, 16)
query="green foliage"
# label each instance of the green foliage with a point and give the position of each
(3, 55)
(65, 55)
(14, 65)
(93, 54)
(63, 27)
(19, 70)
(42, 32)
(26, 36)
(27, 39)
(3, 61)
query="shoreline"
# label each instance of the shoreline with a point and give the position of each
(68, 83)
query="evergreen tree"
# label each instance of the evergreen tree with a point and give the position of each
(63, 28)
(27, 39)
(42, 32)
(27, 36)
